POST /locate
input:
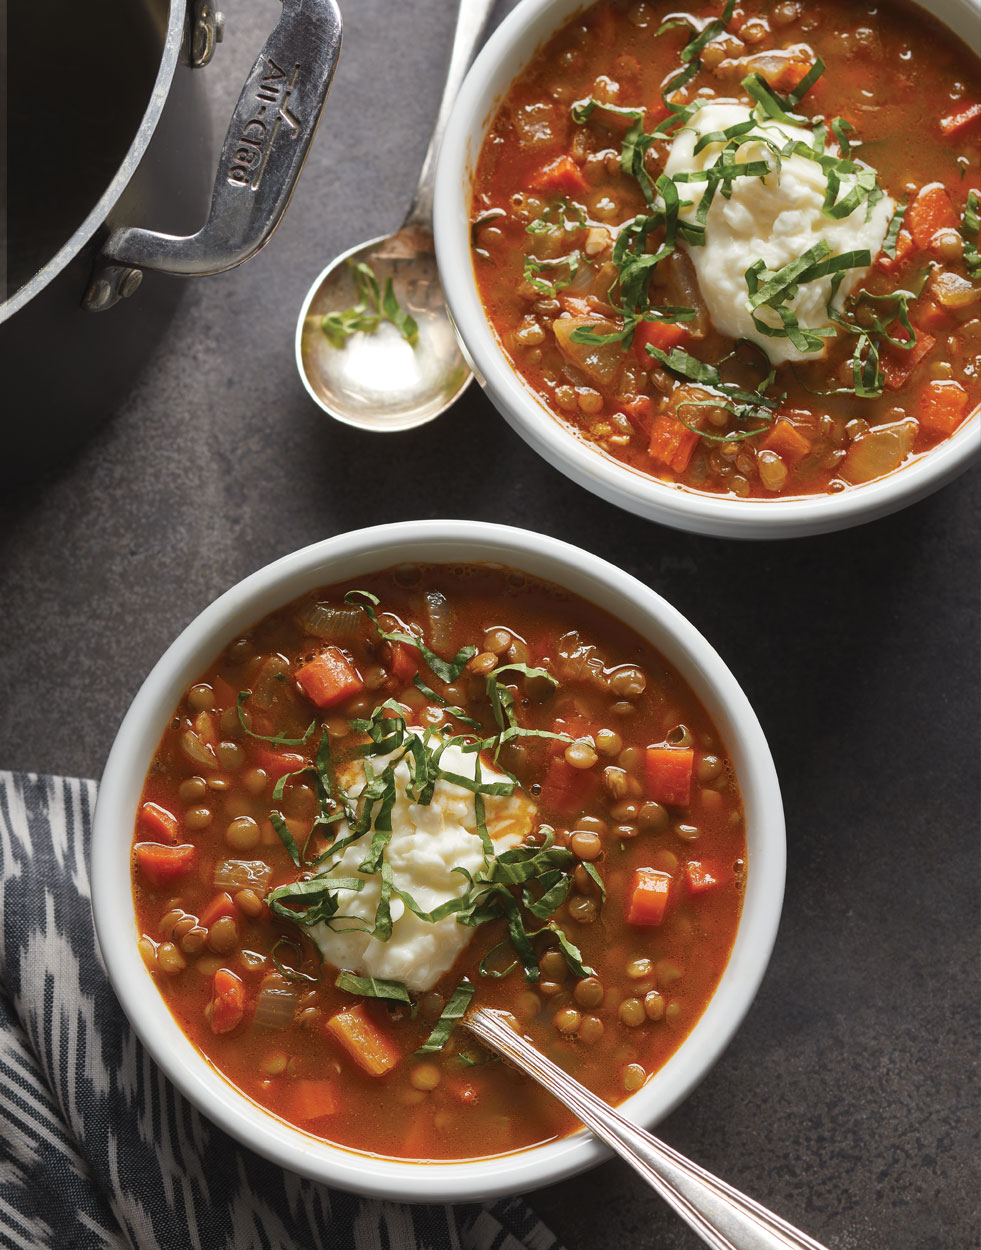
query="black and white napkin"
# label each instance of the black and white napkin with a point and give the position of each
(98, 1151)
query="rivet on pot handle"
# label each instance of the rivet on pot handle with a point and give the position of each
(267, 142)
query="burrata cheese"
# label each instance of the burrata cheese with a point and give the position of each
(427, 843)
(776, 218)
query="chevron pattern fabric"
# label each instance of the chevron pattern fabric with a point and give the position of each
(98, 1151)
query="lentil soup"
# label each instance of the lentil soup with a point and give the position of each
(736, 248)
(435, 786)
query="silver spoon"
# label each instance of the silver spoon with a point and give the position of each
(724, 1218)
(379, 381)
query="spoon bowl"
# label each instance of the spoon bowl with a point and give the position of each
(379, 381)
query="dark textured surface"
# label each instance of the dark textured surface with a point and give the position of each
(847, 1101)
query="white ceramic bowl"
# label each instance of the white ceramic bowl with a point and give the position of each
(349, 556)
(502, 59)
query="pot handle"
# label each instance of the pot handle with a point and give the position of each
(267, 142)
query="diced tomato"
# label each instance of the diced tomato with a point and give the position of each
(304, 1099)
(225, 695)
(164, 864)
(329, 678)
(701, 876)
(403, 664)
(639, 412)
(561, 177)
(941, 406)
(366, 1043)
(465, 1092)
(159, 821)
(276, 763)
(669, 772)
(897, 363)
(927, 314)
(904, 248)
(965, 116)
(221, 905)
(567, 790)
(672, 443)
(661, 334)
(649, 895)
(787, 441)
(227, 1005)
(930, 211)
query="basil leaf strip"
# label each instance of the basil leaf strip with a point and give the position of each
(284, 970)
(454, 1010)
(373, 987)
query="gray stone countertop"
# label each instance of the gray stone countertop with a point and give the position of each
(847, 1101)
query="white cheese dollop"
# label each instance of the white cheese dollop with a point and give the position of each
(776, 219)
(427, 843)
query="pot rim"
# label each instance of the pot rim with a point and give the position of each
(82, 234)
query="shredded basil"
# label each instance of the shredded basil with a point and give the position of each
(892, 232)
(533, 269)
(562, 217)
(454, 1010)
(284, 970)
(445, 670)
(372, 308)
(276, 739)
(373, 987)
(970, 227)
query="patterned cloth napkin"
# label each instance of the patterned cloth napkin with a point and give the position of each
(97, 1149)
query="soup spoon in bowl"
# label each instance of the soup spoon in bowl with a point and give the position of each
(724, 1218)
(379, 379)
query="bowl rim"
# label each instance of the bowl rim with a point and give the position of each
(341, 558)
(500, 61)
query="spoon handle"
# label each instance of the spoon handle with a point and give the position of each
(723, 1217)
(471, 19)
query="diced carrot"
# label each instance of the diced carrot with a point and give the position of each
(649, 895)
(669, 771)
(904, 248)
(276, 763)
(403, 664)
(305, 1099)
(787, 441)
(930, 211)
(898, 364)
(960, 120)
(159, 821)
(639, 412)
(163, 864)
(562, 177)
(221, 905)
(363, 1040)
(701, 876)
(227, 1005)
(329, 678)
(790, 74)
(567, 790)
(660, 334)
(941, 406)
(672, 443)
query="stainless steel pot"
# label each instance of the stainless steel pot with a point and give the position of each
(113, 159)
